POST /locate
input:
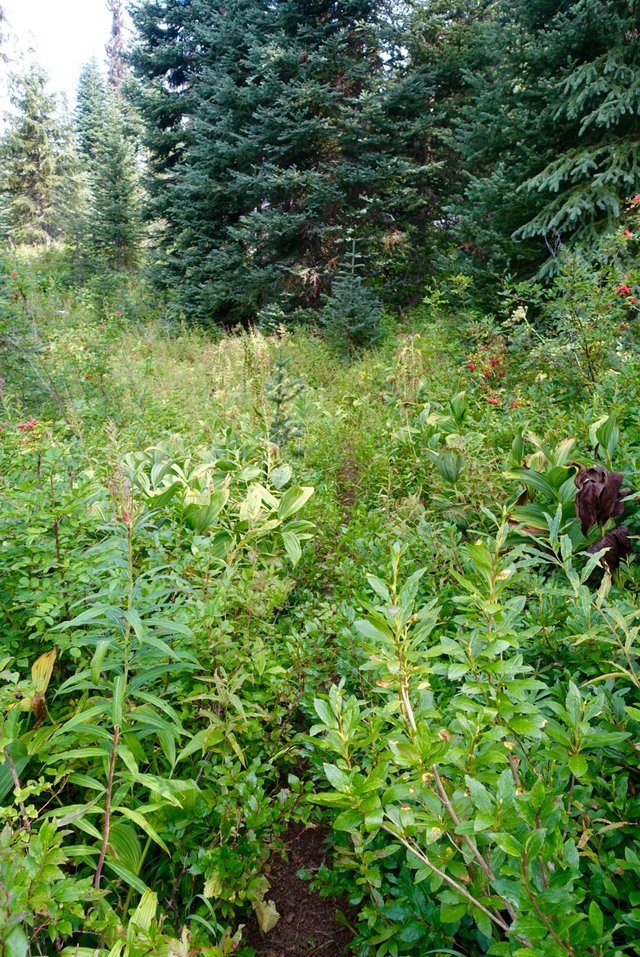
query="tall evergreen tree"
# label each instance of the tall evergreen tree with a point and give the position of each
(90, 109)
(599, 98)
(115, 191)
(33, 156)
(165, 60)
(108, 232)
(550, 136)
(283, 150)
(440, 46)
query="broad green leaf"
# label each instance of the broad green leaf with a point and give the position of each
(578, 765)
(142, 822)
(81, 718)
(375, 633)
(143, 916)
(281, 475)
(336, 778)
(292, 547)
(596, 918)
(117, 703)
(325, 713)
(293, 500)
(124, 845)
(127, 876)
(16, 944)
(533, 480)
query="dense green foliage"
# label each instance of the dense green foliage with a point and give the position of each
(363, 567)
(457, 668)
(551, 129)
(36, 164)
(290, 149)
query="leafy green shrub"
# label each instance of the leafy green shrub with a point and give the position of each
(506, 789)
(148, 747)
(583, 325)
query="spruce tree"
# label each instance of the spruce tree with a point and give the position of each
(585, 187)
(32, 161)
(115, 188)
(550, 135)
(436, 47)
(109, 230)
(90, 109)
(165, 61)
(283, 150)
(352, 314)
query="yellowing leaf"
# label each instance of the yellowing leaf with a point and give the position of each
(213, 886)
(42, 670)
(267, 915)
(144, 913)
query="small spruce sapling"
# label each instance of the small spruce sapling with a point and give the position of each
(281, 391)
(352, 314)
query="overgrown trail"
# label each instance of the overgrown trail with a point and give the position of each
(267, 612)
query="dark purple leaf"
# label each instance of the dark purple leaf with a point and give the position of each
(600, 496)
(618, 544)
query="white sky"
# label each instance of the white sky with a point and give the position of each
(63, 34)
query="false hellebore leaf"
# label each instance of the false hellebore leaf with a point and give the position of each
(618, 544)
(600, 496)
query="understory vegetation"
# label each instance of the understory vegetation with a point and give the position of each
(248, 584)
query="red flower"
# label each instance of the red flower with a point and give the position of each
(624, 290)
(636, 198)
(27, 426)
(14, 274)
(515, 404)
(471, 366)
(118, 312)
(487, 373)
(632, 301)
(627, 233)
(88, 375)
(490, 399)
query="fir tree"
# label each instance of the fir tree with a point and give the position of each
(165, 61)
(114, 217)
(90, 109)
(586, 185)
(436, 46)
(108, 232)
(352, 314)
(550, 136)
(284, 149)
(33, 155)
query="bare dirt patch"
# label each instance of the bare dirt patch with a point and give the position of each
(308, 925)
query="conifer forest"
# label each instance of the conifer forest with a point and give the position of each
(320, 483)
